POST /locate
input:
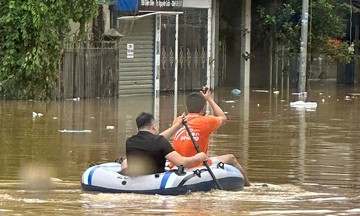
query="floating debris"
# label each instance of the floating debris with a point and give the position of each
(230, 101)
(74, 99)
(262, 91)
(236, 91)
(300, 93)
(302, 104)
(276, 92)
(75, 131)
(35, 114)
(110, 127)
(353, 94)
(347, 97)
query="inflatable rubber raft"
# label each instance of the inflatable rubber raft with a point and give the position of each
(106, 178)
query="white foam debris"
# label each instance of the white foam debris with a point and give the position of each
(110, 127)
(302, 104)
(259, 90)
(35, 114)
(75, 131)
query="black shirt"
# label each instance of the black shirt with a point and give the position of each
(146, 153)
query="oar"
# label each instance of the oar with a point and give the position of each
(184, 122)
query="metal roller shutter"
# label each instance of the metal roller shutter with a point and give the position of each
(136, 74)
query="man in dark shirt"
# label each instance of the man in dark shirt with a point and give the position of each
(147, 151)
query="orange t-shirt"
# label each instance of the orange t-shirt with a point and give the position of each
(201, 128)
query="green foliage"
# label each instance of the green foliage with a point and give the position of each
(326, 21)
(31, 36)
(338, 52)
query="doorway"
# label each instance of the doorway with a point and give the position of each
(229, 43)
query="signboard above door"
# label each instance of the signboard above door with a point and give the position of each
(135, 6)
(160, 5)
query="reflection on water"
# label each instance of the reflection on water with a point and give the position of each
(300, 161)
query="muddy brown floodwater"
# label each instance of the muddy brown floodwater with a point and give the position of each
(300, 161)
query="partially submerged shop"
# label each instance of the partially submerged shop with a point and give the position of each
(167, 46)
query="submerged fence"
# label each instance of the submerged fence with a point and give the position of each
(89, 69)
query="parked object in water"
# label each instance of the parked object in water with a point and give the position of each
(106, 178)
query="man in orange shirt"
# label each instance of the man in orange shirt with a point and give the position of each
(202, 126)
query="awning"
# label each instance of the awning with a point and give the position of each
(136, 17)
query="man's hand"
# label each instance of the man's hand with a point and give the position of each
(200, 157)
(205, 91)
(178, 120)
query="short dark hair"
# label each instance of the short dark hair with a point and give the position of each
(144, 120)
(195, 102)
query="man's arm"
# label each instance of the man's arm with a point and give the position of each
(175, 127)
(175, 158)
(216, 109)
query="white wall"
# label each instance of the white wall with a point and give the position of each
(197, 3)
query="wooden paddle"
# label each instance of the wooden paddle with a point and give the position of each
(184, 122)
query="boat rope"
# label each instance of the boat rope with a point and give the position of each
(186, 179)
(195, 173)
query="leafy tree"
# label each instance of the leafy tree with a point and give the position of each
(326, 21)
(31, 36)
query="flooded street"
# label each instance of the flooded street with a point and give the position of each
(300, 161)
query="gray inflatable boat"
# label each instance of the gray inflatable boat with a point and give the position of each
(107, 178)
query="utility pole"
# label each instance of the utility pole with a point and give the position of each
(303, 49)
